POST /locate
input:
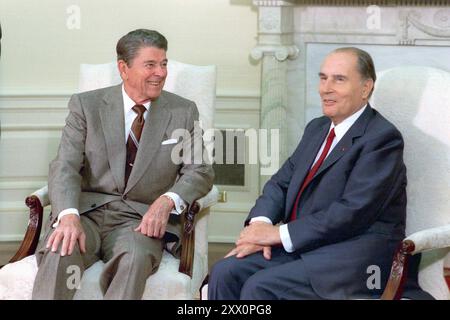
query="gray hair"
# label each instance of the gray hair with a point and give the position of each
(365, 65)
(129, 45)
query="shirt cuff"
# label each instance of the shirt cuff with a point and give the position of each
(63, 213)
(180, 204)
(286, 238)
(262, 219)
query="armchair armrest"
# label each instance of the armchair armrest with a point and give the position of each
(39, 199)
(31, 238)
(42, 195)
(428, 239)
(209, 200)
(188, 237)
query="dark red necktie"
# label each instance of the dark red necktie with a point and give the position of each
(133, 139)
(313, 171)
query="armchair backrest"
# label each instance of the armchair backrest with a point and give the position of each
(196, 83)
(193, 82)
(417, 100)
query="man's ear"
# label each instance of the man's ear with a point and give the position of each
(123, 69)
(367, 89)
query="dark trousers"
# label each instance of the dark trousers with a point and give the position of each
(254, 278)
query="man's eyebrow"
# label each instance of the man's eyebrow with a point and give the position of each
(334, 76)
(339, 76)
(154, 61)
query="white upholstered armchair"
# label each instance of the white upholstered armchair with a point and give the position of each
(417, 101)
(175, 278)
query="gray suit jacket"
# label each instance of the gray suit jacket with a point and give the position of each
(89, 169)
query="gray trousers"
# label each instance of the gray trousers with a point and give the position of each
(130, 257)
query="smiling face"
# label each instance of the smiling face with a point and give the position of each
(342, 89)
(145, 75)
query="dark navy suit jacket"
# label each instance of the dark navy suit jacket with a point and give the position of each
(351, 217)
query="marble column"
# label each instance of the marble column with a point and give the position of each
(275, 46)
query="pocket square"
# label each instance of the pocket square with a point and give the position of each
(169, 141)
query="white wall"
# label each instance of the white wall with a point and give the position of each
(40, 52)
(39, 66)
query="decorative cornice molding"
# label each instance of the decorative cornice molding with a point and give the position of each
(412, 18)
(431, 30)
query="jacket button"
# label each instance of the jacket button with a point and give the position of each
(93, 205)
(125, 197)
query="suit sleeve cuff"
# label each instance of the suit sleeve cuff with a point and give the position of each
(63, 213)
(180, 204)
(286, 238)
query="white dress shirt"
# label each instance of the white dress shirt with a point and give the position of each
(130, 115)
(340, 130)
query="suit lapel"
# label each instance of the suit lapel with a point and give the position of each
(304, 163)
(151, 138)
(113, 125)
(356, 130)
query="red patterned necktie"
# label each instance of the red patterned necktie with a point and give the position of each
(313, 171)
(133, 139)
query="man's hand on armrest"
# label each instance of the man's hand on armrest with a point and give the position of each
(68, 233)
(154, 221)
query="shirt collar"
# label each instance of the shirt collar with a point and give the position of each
(128, 103)
(341, 129)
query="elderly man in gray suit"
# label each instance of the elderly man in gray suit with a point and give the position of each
(116, 191)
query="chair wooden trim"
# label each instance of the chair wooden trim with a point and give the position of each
(188, 240)
(31, 238)
(399, 271)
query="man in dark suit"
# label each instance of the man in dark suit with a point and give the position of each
(328, 222)
(115, 190)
